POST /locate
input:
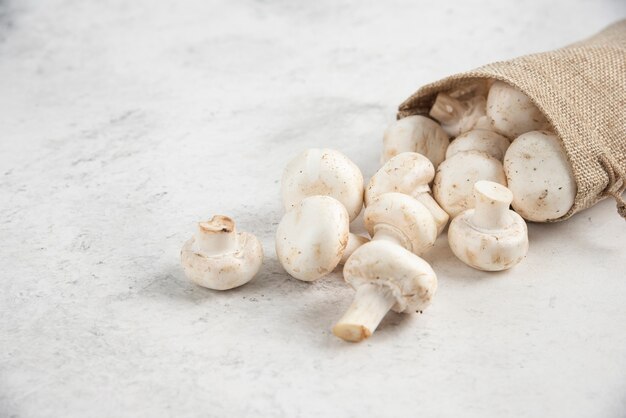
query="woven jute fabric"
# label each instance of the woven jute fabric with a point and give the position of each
(581, 89)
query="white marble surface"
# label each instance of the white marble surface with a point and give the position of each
(122, 123)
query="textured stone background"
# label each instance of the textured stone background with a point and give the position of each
(122, 123)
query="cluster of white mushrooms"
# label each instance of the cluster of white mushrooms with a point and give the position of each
(465, 152)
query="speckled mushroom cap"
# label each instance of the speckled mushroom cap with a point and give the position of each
(312, 237)
(540, 176)
(409, 173)
(511, 112)
(489, 142)
(415, 134)
(322, 171)
(411, 279)
(403, 217)
(455, 178)
(234, 267)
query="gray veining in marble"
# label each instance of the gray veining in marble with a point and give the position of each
(122, 123)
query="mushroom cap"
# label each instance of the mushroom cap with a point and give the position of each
(408, 173)
(540, 176)
(411, 279)
(496, 245)
(223, 271)
(512, 113)
(312, 237)
(404, 217)
(415, 134)
(489, 142)
(323, 171)
(455, 178)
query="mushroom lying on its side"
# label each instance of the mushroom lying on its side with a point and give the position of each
(540, 177)
(511, 112)
(385, 276)
(490, 237)
(409, 173)
(455, 178)
(218, 257)
(402, 220)
(415, 134)
(456, 116)
(387, 272)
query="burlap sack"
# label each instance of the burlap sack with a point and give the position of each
(582, 91)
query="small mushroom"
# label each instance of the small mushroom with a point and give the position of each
(511, 112)
(400, 219)
(458, 116)
(323, 172)
(409, 173)
(312, 237)
(489, 237)
(220, 258)
(385, 276)
(483, 140)
(540, 176)
(415, 134)
(455, 178)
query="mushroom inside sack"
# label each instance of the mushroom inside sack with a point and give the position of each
(540, 177)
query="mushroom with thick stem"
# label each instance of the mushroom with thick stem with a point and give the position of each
(456, 116)
(511, 112)
(220, 258)
(313, 238)
(455, 178)
(415, 134)
(489, 237)
(324, 172)
(489, 142)
(409, 173)
(540, 176)
(402, 220)
(385, 276)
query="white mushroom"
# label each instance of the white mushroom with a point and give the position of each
(311, 237)
(483, 140)
(490, 237)
(415, 134)
(409, 173)
(354, 242)
(540, 176)
(458, 116)
(511, 112)
(455, 178)
(218, 257)
(385, 276)
(323, 172)
(400, 219)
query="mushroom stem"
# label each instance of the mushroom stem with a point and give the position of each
(492, 205)
(446, 109)
(386, 232)
(215, 236)
(369, 307)
(441, 216)
(354, 242)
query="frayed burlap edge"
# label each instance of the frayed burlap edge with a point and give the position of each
(582, 91)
